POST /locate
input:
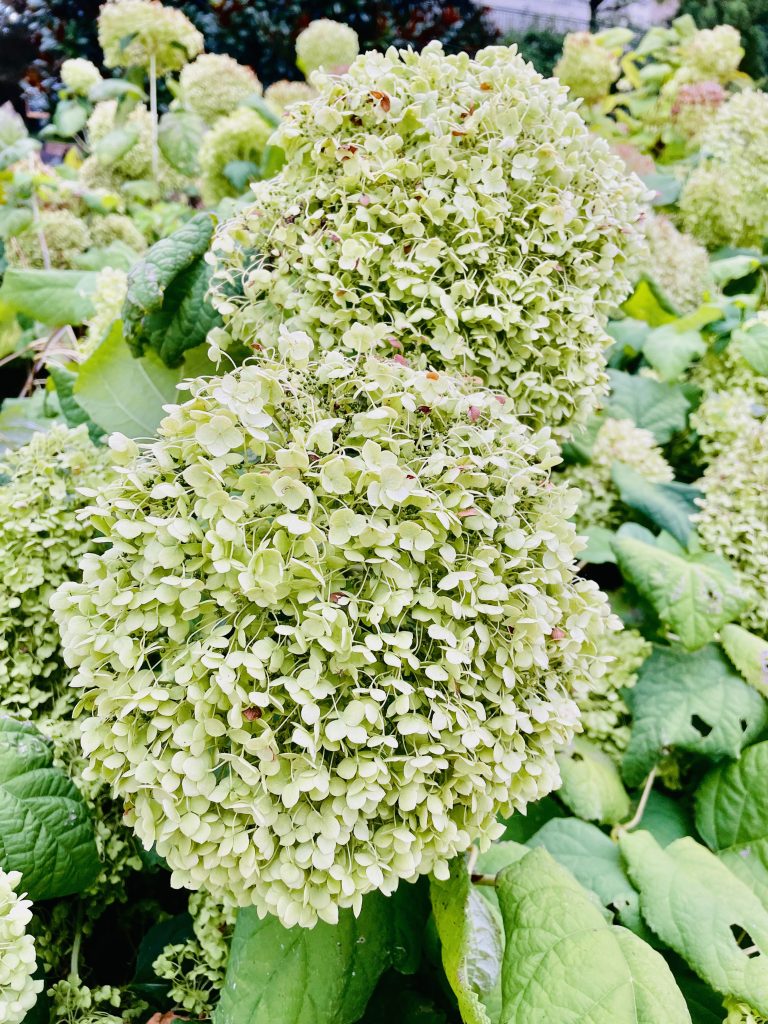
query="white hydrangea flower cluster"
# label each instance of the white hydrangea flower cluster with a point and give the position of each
(242, 136)
(108, 298)
(712, 53)
(117, 227)
(336, 630)
(79, 76)
(283, 94)
(214, 84)
(732, 522)
(456, 211)
(615, 441)
(135, 163)
(131, 32)
(18, 990)
(326, 45)
(695, 105)
(723, 202)
(66, 237)
(678, 264)
(605, 717)
(586, 67)
(723, 416)
(42, 541)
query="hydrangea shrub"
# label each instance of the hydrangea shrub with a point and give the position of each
(336, 629)
(283, 94)
(456, 212)
(214, 84)
(132, 32)
(326, 45)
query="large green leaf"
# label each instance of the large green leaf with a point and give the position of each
(669, 505)
(658, 407)
(64, 380)
(472, 942)
(166, 308)
(690, 701)
(594, 861)
(563, 961)
(20, 418)
(704, 912)
(671, 351)
(749, 653)
(592, 787)
(693, 595)
(179, 136)
(54, 297)
(46, 831)
(320, 975)
(753, 345)
(648, 303)
(120, 393)
(70, 117)
(732, 816)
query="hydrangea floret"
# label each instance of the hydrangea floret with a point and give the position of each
(79, 76)
(326, 45)
(242, 136)
(54, 240)
(18, 989)
(214, 84)
(454, 211)
(615, 441)
(133, 32)
(678, 264)
(586, 67)
(42, 541)
(283, 94)
(336, 629)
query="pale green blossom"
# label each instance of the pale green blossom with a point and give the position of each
(18, 990)
(326, 45)
(240, 137)
(586, 67)
(79, 76)
(131, 32)
(214, 84)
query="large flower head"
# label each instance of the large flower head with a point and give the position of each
(241, 137)
(678, 264)
(214, 84)
(283, 94)
(42, 541)
(326, 45)
(55, 239)
(335, 629)
(455, 211)
(18, 990)
(79, 76)
(712, 53)
(586, 67)
(132, 32)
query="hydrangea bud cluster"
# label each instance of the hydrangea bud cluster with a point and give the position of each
(695, 105)
(454, 211)
(214, 84)
(712, 53)
(242, 136)
(586, 67)
(283, 94)
(723, 201)
(79, 76)
(326, 45)
(42, 540)
(605, 717)
(18, 990)
(678, 264)
(66, 237)
(336, 629)
(117, 227)
(615, 441)
(196, 968)
(132, 32)
(108, 298)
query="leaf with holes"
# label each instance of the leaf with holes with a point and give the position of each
(592, 786)
(705, 913)
(691, 701)
(564, 962)
(732, 816)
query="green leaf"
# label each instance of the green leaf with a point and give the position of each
(749, 654)
(14, 220)
(53, 297)
(628, 338)
(115, 144)
(70, 118)
(64, 381)
(117, 254)
(666, 188)
(120, 393)
(20, 418)
(647, 303)
(166, 308)
(46, 831)
(320, 975)
(691, 701)
(472, 941)
(658, 407)
(179, 134)
(520, 827)
(257, 102)
(145, 982)
(693, 595)
(115, 89)
(668, 505)
(594, 861)
(702, 911)
(592, 786)
(666, 819)
(599, 549)
(240, 173)
(671, 351)
(732, 268)
(753, 345)
(272, 160)
(732, 816)
(564, 963)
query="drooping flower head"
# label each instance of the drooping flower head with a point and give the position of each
(132, 32)
(454, 211)
(18, 990)
(214, 84)
(326, 45)
(79, 76)
(335, 629)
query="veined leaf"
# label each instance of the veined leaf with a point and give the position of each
(178, 136)
(671, 351)
(592, 787)
(749, 654)
(669, 505)
(54, 297)
(658, 407)
(753, 345)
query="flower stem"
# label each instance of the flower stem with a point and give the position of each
(153, 112)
